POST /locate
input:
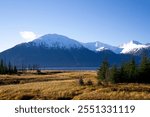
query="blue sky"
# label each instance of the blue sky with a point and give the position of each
(110, 21)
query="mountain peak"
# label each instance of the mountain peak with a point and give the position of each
(131, 42)
(52, 36)
(98, 46)
(132, 46)
(55, 40)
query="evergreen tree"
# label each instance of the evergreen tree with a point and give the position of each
(144, 70)
(103, 70)
(7, 69)
(127, 73)
(114, 75)
(1, 67)
(123, 74)
(132, 71)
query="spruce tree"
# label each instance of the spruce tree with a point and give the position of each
(114, 75)
(103, 70)
(123, 74)
(7, 69)
(144, 70)
(132, 71)
(1, 67)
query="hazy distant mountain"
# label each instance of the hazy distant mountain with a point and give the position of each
(54, 50)
(132, 47)
(98, 46)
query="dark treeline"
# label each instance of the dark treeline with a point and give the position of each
(128, 72)
(7, 68)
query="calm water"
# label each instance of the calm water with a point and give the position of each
(69, 68)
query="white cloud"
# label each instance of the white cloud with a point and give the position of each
(28, 35)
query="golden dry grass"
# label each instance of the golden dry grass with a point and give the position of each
(65, 85)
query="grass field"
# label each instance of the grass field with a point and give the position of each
(65, 85)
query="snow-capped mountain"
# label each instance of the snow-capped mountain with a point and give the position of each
(98, 46)
(54, 50)
(62, 42)
(55, 41)
(132, 47)
(59, 41)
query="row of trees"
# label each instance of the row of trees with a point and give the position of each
(129, 72)
(7, 68)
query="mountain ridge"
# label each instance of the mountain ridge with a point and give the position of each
(61, 41)
(55, 40)
(132, 47)
(99, 46)
(54, 50)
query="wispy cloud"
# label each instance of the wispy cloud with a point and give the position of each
(28, 35)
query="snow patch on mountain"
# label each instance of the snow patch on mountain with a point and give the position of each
(132, 47)
(58, 41)
(98, 46)
(101, 49)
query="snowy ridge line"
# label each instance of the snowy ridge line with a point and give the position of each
(132, 46)
(59, 41)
